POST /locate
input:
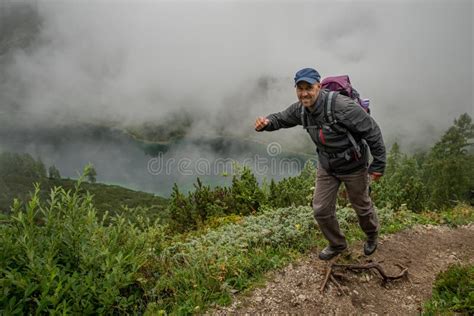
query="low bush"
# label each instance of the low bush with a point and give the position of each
(57, 257)
(191, 211)
(293, 191)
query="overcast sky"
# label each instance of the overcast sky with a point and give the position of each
(228, 61)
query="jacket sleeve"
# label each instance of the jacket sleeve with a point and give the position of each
(287, 118)
(358, 122)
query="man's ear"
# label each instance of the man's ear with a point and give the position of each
(318, 84)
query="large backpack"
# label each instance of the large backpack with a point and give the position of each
(342, 84)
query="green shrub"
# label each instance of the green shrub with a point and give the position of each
(453, 291)
(297, 191)
(57, 257)
(247, 196)
(402, 183)
(191, 211)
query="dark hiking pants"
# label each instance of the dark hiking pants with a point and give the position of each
(324, 204)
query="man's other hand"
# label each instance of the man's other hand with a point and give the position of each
(375, 176)
(261, 123)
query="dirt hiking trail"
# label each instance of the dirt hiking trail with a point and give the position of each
(424, 250)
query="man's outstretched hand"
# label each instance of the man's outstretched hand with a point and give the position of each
(261, 122)
(375, 176)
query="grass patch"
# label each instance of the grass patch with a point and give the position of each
(453, 292)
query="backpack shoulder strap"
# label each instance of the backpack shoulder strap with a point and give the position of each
(330, 118)
(329, 110)
(328, 107)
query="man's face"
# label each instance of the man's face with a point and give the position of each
(307, 93)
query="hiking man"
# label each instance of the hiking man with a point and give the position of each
(343, 134)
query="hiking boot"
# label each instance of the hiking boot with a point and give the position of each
(330, 252)
(370, 246)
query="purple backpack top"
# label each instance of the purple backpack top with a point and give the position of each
(342, 84)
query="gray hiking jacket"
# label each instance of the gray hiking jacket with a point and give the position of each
(336, 153)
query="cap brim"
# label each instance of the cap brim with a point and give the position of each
(306, 79)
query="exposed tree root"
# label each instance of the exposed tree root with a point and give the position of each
(366, 266)
(328, 273)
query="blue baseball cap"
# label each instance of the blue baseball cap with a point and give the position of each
(308, 75)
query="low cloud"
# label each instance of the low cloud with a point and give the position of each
(124, 63)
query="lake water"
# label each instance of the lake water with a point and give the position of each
(120, 159)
